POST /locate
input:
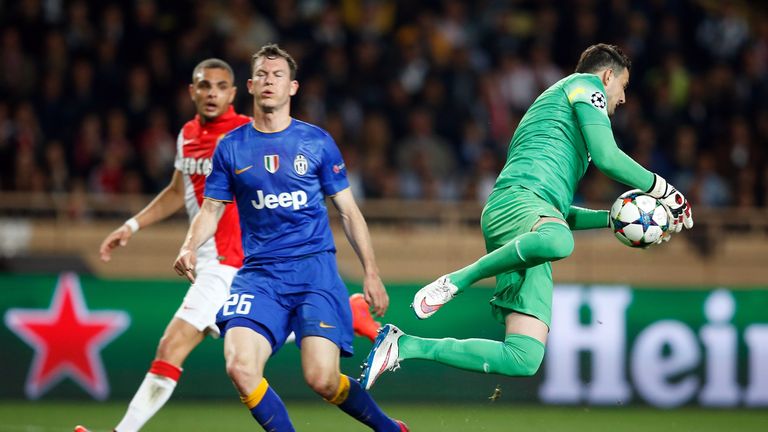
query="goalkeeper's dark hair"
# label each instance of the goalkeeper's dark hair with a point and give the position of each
(213, 63)
(273, 51)
(603, 56)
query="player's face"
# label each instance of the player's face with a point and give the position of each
(615, 85)
(212, 91)
(271, 84)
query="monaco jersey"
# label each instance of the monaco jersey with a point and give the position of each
(279, 181)
(194, 150)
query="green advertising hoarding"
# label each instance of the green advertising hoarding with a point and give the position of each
(73, 336)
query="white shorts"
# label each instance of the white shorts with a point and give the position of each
(206, 296)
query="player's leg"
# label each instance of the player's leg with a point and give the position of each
(179, 339)
(551, 240)
(522, 302)
(194, 318)
(325, 331)
(253, 323)
(320, 363)
(362, 321)
(246, 352)
(521, 231)
(520, 354)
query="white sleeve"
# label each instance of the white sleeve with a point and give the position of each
(178, 161)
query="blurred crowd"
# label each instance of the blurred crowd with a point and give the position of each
(421, 96)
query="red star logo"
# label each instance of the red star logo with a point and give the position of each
(67, 339)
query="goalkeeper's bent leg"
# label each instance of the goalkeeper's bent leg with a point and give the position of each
(551, 241)
(518, 355)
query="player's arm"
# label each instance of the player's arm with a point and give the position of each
(166, 203)
(203, 227)
(356, 230)
(218, 193)
(608, 158)
(586, 97)
(580, 218)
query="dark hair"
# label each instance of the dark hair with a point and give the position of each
(213, 63)
(273, 51)
(603, 56)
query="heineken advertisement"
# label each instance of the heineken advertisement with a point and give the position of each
(70, 336)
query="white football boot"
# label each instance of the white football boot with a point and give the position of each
(383, 355)
(433, 296)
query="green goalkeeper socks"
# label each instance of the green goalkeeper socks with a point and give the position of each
(550, 242)
(518, 355)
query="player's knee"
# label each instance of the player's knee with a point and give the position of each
(242, 372)
(564, 247)
(324, 383)
(524, 355)
(167, 347)
(177, 342)
(558, 239)
(531, 365)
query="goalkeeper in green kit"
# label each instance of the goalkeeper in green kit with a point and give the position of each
(528, 219)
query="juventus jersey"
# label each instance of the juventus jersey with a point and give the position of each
(279, 182)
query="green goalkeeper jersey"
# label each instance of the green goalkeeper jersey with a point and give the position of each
(548, 154)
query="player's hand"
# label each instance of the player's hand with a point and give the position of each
(185, 264)
(680, 212)
(118, 237)
(375, 294)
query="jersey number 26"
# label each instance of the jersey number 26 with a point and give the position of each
(240, 302)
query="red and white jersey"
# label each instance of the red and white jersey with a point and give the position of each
(194, 150)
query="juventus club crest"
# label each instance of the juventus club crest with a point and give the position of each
(272, 163)
(300, 165)
(598, 100)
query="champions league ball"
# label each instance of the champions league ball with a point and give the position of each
(637, 219)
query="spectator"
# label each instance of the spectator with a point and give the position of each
(425, 159)
(709, 188)
(17, 71)
(56, 166)
(699, 85)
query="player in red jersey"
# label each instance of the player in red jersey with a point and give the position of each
(212, 90)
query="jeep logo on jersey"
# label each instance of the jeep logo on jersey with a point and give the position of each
(300, 165)
(272, 163)
(199, 166)
(295, 199)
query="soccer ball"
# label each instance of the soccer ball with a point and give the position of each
(637, 219)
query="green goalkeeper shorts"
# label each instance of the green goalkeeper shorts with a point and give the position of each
(509, 213)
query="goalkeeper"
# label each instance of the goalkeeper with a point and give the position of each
(528, 219)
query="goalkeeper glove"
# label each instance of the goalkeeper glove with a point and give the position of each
(678, 207)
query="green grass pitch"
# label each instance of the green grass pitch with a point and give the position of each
(320, 417)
